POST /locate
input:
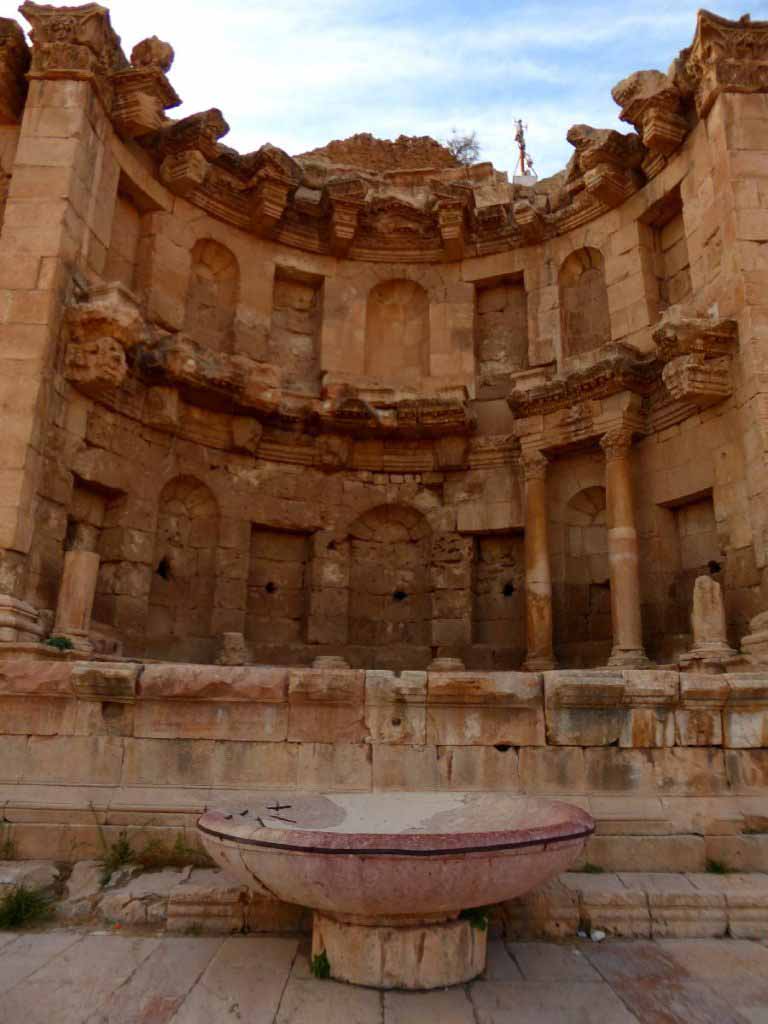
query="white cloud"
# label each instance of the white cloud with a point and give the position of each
(299, 73)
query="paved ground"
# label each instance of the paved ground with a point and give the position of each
(68, 977)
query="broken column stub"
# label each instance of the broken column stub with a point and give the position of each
(710, 637)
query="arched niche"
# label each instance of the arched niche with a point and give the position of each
(184, 570)
(584, 317)
(397, 332)
(212, 295)
(585, 622)
(390, 578)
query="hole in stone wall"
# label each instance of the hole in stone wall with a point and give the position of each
(164, 568)
(271, 588)
(503, 747)
(714, 567)
(508, 589)
(331, 545)
(399, 595)
(397, 721)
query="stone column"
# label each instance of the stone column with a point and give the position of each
(623, 552)
(78, 589)
(538, 573)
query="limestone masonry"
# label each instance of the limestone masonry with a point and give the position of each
(365, 469)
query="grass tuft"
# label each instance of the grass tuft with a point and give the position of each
(717, 867)
(22, 906)
(477, 917)
(592, 869)
(321, 966)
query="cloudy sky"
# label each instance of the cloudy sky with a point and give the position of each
(299, 73)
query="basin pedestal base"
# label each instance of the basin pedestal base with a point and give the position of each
(411, 956)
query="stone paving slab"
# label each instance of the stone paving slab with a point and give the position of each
(80, 977)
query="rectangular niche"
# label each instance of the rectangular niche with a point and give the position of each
(698, 547)
(124, 244)
(670, 250)
(499, 590)
(501, 332)
(276, 610)
(294, 336)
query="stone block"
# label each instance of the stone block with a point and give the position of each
(175, 762)
(248, 765)
(487, 769)
(747, 914)
(383, 687)
(397, 723)
(263, 684)
(468, 726)
(745, 728)
(496, 689)
(405, 768)
(651, 853)
(209, 902)
(104, 681)
(216, 720)
(84, 760)
(327, 723)
(687, 915)
(36, 677)
(747, 770)
(610, 907)
(648, 727)
(326, 686)
(335, 767)
(739, 852)
(698, 727)
(36, 716)
(551, 911)
(610, 770)
(552, 770)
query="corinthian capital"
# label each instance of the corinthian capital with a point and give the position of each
(616, 443)
(534, 465)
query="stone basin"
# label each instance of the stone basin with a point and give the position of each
(388, 874)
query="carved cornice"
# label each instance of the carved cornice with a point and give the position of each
(725, 56)
(14, 64)
(187, 148)
(622, 369)
(652, 103)
(607, 163)
(142, 91)
(75, 42)
(696, 353)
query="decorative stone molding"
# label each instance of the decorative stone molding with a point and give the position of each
(608, 162)
(187, 148)
(530, 221)
(19, 621)
(651, 102)
(74, 42)
(623, 368)
(346, 199)
(110, 311)
(142, 91)
(96, 366)
(14, 64)
(696, 353)
(726, 56)
(276, 175)
(451, 221)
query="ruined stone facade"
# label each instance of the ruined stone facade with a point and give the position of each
(368, 404)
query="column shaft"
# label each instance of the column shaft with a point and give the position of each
(623, 553)
(538, 573)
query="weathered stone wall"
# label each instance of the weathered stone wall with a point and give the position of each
(155, 743)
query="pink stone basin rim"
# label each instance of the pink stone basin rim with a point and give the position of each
(409, 824)
(388, 856)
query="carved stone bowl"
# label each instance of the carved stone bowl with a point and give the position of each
(388, 874)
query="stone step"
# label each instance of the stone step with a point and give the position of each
(692, 905)
(632, 833)
(642, 904)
